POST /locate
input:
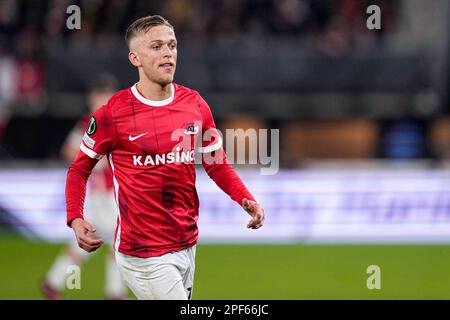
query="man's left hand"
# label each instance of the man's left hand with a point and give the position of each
(254, 209)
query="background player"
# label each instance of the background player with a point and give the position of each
(101, 207)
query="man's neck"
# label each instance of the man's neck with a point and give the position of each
(154, 91)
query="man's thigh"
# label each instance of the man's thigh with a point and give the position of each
(188, 276)
(152, 278)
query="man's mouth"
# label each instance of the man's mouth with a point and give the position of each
(166, 65)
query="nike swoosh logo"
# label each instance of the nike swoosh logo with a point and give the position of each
(136, 137)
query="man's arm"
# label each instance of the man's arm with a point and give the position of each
(223, 174)
(77, 177)
(98, 141)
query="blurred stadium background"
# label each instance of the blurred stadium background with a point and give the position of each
(364, 119)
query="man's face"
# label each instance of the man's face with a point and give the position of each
(156, 53)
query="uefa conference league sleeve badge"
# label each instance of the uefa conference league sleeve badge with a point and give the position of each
(92, 126)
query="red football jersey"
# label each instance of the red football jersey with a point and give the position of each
(151, 146)
(101, 179)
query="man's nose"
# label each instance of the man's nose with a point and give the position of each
(167, 52)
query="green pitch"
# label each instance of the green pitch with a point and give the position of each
(258, 271)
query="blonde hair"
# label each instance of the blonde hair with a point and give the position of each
(144, 24)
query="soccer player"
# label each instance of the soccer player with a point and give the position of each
(150, 135)
(102, 209)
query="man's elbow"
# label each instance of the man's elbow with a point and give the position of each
(81, 166)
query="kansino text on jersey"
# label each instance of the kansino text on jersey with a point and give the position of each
(165, 158)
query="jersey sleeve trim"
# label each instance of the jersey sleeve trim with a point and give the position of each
(90, 153)
(212, 147)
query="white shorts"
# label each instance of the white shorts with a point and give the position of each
(168, 277)
(102, 212)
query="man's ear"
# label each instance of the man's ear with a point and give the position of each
(134, 59)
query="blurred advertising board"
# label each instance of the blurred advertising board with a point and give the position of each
(310, 205)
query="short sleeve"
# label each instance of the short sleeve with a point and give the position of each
(100, 135)
(211, 138)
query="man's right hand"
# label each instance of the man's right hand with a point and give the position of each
(84, 233)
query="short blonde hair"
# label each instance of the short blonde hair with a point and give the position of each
(143, 25)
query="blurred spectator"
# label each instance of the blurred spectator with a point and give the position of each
(331, 32)
(196, 17)
(29, 66)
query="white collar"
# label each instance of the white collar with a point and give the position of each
(153, 103)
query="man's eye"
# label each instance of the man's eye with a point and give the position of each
(173, 46)
(156, 47)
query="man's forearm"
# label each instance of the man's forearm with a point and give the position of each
(227, 179)
(77, 177)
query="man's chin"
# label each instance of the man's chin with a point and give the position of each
(164, 81)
